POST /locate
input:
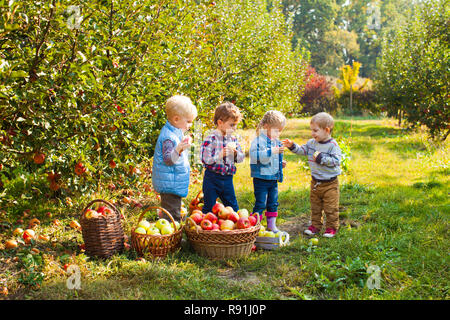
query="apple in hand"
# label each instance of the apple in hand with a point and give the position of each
(243, 213)
(206, 224)
(243, 223)
(227, 225)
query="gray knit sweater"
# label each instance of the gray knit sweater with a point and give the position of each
(327, 164)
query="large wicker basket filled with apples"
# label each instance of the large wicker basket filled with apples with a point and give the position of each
(156, 238)
(222, 233)
(101, 227)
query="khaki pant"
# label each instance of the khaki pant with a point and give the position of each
(325, 197)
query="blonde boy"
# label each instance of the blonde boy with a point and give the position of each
(171, 168)
(324, 157)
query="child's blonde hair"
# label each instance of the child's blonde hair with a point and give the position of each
(323, 120)
(272, 118)
(179, 105)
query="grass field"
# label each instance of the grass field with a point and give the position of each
(394, 215)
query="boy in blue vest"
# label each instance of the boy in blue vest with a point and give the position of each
(171, 168)
(266, 164)
(219, 153)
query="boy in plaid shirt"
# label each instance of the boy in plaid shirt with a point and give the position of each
(219, 153)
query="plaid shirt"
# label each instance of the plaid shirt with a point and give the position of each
(210, 150)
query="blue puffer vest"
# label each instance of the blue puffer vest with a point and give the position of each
(264, 164)
(170, 179)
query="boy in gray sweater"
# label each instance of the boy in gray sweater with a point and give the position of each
(324, 158)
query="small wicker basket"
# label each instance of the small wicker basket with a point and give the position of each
(194, 205)
(218, 244)
(158, 246)
(103, 236)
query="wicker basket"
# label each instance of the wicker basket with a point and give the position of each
(103, 236)
(194, 205)
(217, 244)
(158, 246)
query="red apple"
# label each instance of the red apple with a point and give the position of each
(217, 207)
(206, 224)
(197, 217)
(211, 217)
(215, 226)
(223, 213)
(197, 211)
(108, 211)
(243, 223)
(227, 225)
(253, 220)
(233, 216)
(101, 209)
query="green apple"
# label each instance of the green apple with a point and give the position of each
(270, 234)
(140, 230)
(161, 223)
(166, 230)
(144, 224)
(177, 225)
(314, 241)
(153, 230)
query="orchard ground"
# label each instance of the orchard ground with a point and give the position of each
(394, 215)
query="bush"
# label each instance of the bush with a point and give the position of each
(317, 95)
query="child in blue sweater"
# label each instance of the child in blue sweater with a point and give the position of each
(266, 164)
(171, 168)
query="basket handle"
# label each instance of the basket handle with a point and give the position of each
(286, 240)
(160, 208)
(100, 200)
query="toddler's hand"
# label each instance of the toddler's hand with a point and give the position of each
(277, 150)
(183, 145)
(287, 143)
(283, 163)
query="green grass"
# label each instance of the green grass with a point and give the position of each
(394, 197)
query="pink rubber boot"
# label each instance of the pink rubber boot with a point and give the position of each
(271, 221)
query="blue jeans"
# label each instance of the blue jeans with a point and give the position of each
(218, 186)
(266, 195)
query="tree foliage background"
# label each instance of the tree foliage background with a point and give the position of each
(413, 72)
(83, 83)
